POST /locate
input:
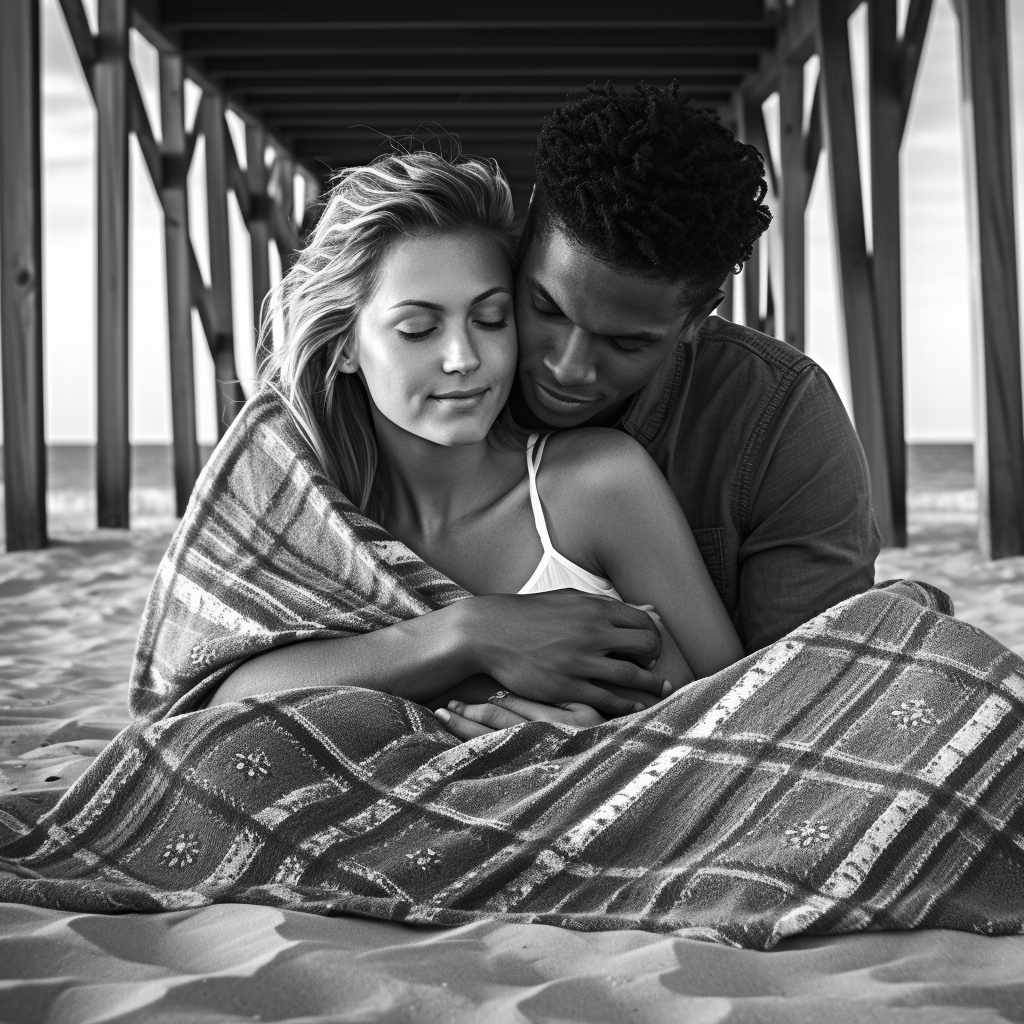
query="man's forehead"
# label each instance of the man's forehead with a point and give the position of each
(609, 300)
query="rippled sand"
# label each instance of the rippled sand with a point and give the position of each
(232, 963)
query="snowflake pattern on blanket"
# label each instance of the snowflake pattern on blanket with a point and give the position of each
(865, 772)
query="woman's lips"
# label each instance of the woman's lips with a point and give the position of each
(461, 399)
(559, 401)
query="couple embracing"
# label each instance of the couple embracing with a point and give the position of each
(527, 588)
(563, 417)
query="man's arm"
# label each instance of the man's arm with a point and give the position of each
(546, 647)
(813, 539)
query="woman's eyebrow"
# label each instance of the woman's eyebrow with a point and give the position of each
(418, 302)
(491, 291)
(434, 305)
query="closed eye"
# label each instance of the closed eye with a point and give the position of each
(492, 325)
(416, 335)
(553, 311)
(629, 344)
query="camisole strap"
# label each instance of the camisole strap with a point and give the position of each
(534, 453)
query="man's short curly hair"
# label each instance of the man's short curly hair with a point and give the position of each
(650, 185)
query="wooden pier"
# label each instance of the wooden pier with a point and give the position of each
(318, 89)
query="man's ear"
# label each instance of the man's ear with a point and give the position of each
(700, 313)
(713, 303)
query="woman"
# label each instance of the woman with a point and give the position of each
(396, 355)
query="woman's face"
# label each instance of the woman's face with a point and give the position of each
(436, 343)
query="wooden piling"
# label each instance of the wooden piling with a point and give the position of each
(856, 290)
(887, 122)
(230, 396)
(177, 251)
(792, 191)
(988, 142)
(259, 227)
(110, 88)
(21, 285)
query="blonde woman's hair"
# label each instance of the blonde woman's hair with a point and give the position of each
(315, 306)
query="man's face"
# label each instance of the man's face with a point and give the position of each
(590, 336)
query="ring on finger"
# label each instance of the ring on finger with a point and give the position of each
(500, 695)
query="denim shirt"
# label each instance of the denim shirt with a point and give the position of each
(761, 455)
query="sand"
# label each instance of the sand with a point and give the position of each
(68, 622)
(231, 963)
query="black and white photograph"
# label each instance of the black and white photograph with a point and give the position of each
(511, 515)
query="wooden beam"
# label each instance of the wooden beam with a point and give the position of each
(178, 256)
(21, 277)
(335, 93)
(714, 43)
(111, 73)
(587, 66)
(794, 44)
(140, 125)
(756, 133)
(202, 297)
(535, 14)
(793, 194)
(911, 48)
(282, 191)
(81, 35)
(237, 181)
(886, 109)
(840, 134)
(988, 156)
(554, 82)
(259, 229)
(230, 396)
(750, 279)
(147, 20)
(812, 144)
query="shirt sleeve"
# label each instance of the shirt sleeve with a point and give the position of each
(811, 539)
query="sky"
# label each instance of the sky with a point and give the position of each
(937, 350)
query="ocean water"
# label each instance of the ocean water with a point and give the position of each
(72, 467)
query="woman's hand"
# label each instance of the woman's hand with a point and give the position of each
(553, 647)
(505, 710)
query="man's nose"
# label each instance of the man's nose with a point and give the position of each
(571, 361)
(460, 354)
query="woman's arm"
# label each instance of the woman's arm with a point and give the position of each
(547, 647)
(611, 507)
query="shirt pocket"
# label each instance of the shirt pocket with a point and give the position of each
(711, 545)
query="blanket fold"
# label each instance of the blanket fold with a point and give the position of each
(865, 772)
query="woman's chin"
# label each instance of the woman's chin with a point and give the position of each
(459, 436)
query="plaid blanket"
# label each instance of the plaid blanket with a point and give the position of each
(865, 772)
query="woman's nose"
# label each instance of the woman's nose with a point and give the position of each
(460, 354)
(571, 361)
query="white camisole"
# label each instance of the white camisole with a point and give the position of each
(555, 571)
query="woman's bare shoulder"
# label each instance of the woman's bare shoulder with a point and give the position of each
(595, 454)
(596, 484)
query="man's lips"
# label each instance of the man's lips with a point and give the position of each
(561, 399)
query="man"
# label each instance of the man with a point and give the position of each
(642, 207)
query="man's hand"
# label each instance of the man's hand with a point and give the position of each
(554, 647)
(505, 710)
